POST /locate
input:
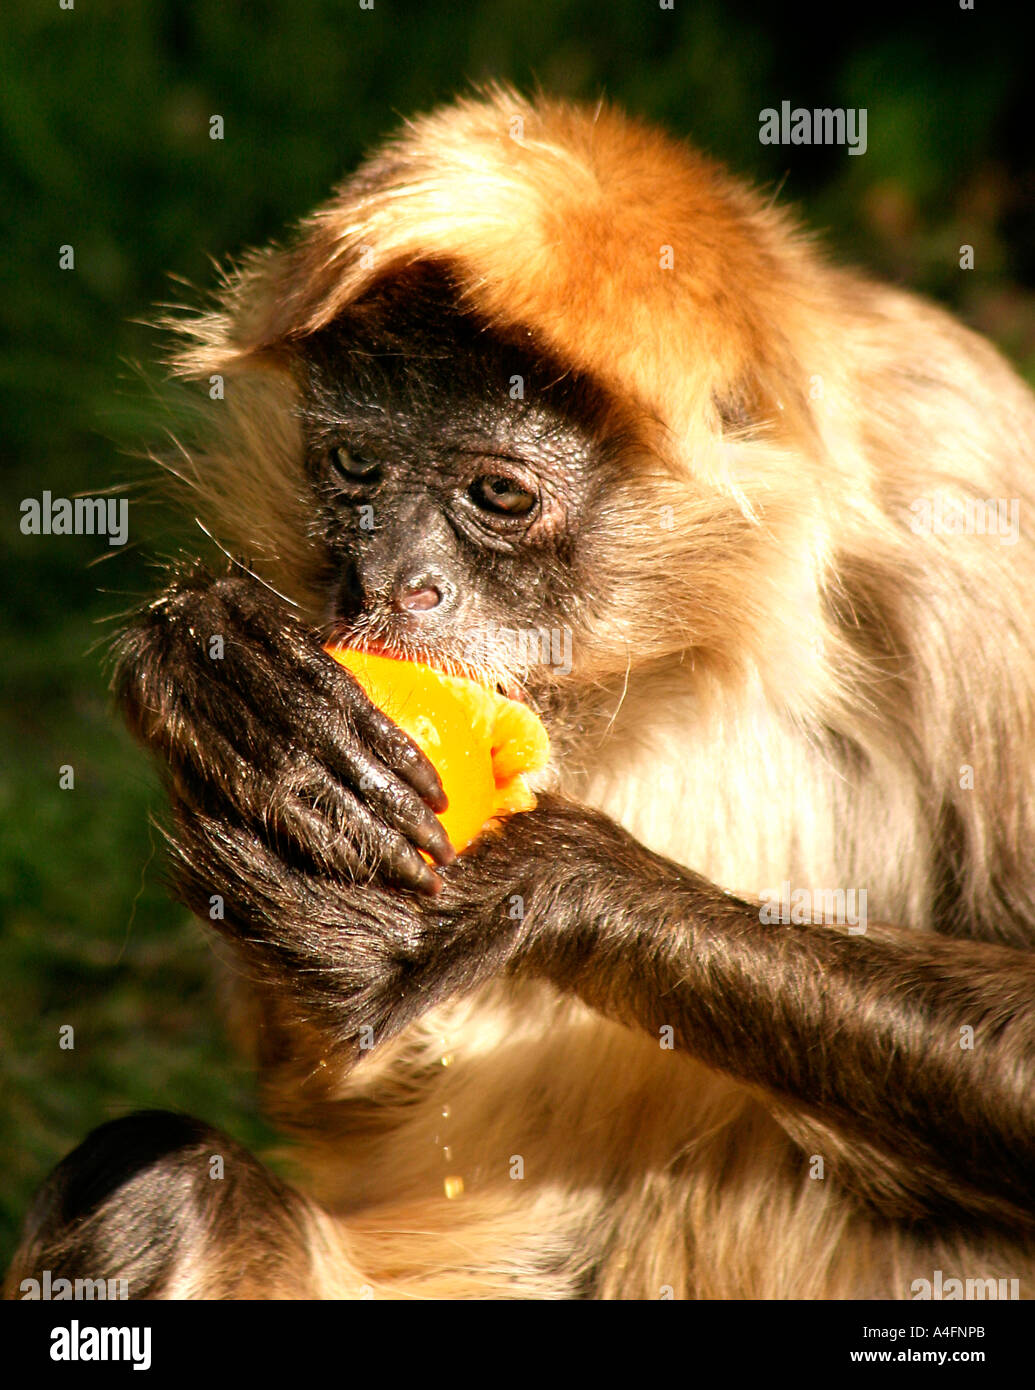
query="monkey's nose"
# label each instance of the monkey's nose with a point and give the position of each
(417, 595)
(417, 601)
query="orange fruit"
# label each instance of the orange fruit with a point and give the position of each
(481, 743)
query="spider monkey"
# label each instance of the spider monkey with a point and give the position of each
(537, 368)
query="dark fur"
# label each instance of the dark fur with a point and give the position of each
(138, 1201)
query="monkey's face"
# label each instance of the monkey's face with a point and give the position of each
(454, 477)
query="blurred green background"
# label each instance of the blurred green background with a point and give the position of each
(105, 145)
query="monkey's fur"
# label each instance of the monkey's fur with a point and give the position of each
(777, 678)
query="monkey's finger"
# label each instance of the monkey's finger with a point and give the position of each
(333, 827)
(287, 649)
(356, 740)
(318, 819)
(388, 852)
(299, 829)
(390, 800)
(354, 849)
(229, 774)
(399, 752)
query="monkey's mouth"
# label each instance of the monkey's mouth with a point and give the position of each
(489, 677)
(512, 691)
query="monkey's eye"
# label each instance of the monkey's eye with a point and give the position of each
(351, 465)
(494, 492)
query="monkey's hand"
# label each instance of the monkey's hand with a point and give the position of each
(359, 961)
(362, 961)
(260, 728)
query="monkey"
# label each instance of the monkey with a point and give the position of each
(538, 368)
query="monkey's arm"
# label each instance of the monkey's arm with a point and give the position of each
(853, 1039)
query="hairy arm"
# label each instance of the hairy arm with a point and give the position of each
(853, 1039)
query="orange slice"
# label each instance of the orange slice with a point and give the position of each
(482, 744)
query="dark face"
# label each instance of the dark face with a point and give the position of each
(454, 474)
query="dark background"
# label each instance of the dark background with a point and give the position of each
(104, 113)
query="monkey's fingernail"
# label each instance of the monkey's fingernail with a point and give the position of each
(430, 791)
(430, 882)
(426, 782)
(439, 847)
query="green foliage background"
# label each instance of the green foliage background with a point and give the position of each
(104, 113)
